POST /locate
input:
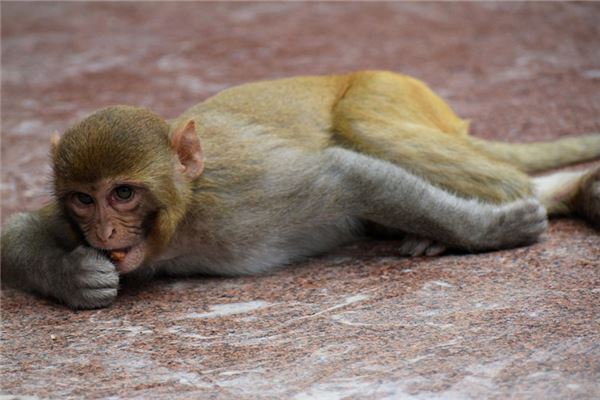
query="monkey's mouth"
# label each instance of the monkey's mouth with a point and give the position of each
(126, 259)
(117, 255)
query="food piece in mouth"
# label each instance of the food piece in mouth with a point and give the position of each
(117, 256)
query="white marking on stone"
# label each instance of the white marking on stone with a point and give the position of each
(29, 127)
(419, 358)
(134, 330)
(440, 326)
(442, 283)
(8, 186)
(342, 389)
(242, 372)
(185, 378)
(347, 301)
(223, 310)
(592, 74)
(340, 319)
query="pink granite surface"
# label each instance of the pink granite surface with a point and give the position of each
(361, 322)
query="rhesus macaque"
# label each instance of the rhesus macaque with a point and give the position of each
(265, 174)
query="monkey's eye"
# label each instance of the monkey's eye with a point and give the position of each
(84, 198)
(124, 192)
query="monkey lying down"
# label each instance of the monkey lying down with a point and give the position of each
(267, 173)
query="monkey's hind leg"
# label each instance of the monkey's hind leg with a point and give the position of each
(382, 121)
(386, 194)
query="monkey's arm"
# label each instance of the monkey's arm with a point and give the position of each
(388, 195)
(40, 253)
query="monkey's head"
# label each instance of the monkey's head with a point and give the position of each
(124, 180)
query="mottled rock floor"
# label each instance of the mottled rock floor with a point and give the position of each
(358, 323)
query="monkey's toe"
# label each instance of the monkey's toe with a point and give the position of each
(435, 250)
(414, 247)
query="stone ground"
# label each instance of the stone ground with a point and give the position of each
(355, 324)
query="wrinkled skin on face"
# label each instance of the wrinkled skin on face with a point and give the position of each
(114, 216)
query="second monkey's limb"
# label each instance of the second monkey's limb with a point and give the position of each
(587, 200)
(569, 192)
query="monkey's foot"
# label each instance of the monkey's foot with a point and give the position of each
(415, 246)
(587, 201)
(510, 225)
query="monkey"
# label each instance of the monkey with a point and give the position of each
(269, 173)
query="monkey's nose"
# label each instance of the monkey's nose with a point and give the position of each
(105, 232)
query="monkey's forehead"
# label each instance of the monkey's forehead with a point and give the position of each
(91, 165)
(117, 119)
(90, 157)
(118, 141)
(115, 130)
(104, 184)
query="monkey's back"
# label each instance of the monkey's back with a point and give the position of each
(305, 110)
(295, 109)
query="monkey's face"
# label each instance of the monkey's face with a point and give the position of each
(114, 216)
(126, 178)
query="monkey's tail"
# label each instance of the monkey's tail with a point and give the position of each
(540, 156)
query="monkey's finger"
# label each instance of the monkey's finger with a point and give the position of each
(92, 298)
(99, 281)
(99, 294)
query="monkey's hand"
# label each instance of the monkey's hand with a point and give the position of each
(35, 258)
(509, 225)
(86, 279)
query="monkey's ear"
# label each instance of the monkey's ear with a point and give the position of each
(54, 139)
(186, 144)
